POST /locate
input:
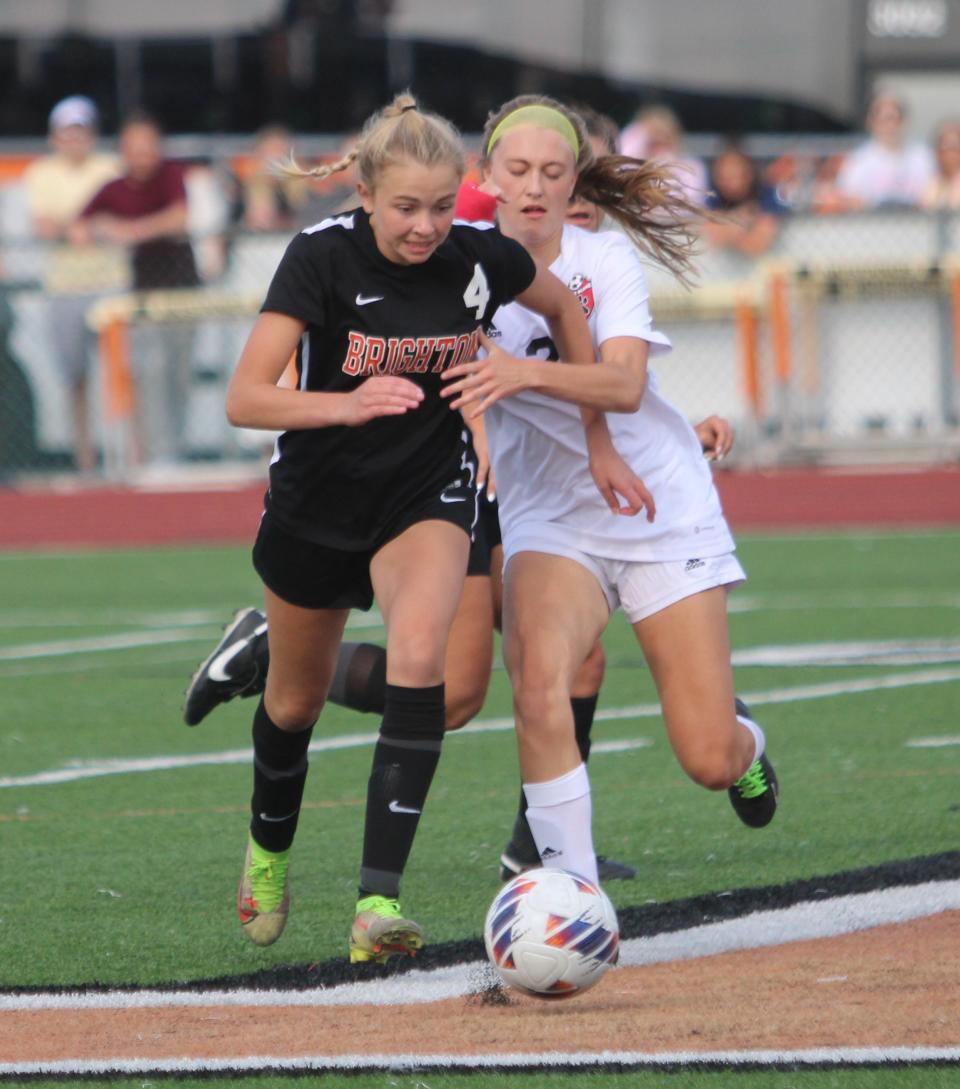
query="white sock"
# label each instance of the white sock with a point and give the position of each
(559, 813)
(758, 737)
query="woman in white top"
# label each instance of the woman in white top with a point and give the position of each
(571, 555)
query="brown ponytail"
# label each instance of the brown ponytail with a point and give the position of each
(642, 196)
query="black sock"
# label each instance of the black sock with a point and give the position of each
(279, 773)
(584, 708)
(404, 761)
(260, 651)
(522, 847)
(360, 680)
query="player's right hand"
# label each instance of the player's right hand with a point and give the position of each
(381, 395)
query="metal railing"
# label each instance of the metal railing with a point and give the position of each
(841, 345)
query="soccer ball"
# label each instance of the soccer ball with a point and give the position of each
(551, 933)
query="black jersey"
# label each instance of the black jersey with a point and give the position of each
(365, 315)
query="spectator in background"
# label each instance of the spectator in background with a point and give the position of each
(886, 170)
(750, 210)
(267, 200)
(146, 210)
(942, 192)
(58, 186)
(656, 133)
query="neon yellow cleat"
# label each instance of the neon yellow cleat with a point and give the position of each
(380, 932)
(263, 899)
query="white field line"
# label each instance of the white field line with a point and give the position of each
(857, 652)
(178, 653)
(94, 643)
(620, 746)
(129, 640)
(548, 1061)
(932, 742)
(91, 769)
(743, 601)
(801, 922)
(77, 618)
(868, 652)
(84, 618)
(170, 627)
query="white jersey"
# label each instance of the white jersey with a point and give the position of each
(538, 449)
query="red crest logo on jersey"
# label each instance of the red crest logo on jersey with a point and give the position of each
(583, 289)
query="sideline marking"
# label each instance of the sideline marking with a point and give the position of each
(514, 1061)
(931, 742)
(778, 926)
(545, 1060)
(92, 769)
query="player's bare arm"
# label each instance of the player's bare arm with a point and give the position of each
(611, 388)
(255, 400)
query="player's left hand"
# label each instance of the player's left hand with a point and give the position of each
(479, 384)
(624, 491)
(716, 437)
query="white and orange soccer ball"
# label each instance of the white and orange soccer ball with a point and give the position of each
(551, 933)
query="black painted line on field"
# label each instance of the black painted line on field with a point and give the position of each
(644, 920)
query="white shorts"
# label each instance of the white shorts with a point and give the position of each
(639, 587)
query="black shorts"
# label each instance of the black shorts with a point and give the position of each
(486, 535)
(316, 576)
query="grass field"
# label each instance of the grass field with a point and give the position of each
(122, 831)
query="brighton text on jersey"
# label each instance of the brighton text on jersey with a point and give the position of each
(367, 354)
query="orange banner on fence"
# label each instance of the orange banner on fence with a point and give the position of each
(119, 396)
(746, 316)
(780, 327)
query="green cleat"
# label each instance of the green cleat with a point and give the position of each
(263, 899)
(380, 932)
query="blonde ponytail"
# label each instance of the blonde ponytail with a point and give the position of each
(398, 132)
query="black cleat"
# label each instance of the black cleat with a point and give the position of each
(513, 862)
(608, 869)
(232, 669)
(754, 795)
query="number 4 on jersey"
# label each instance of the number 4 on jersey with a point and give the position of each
(477, 294)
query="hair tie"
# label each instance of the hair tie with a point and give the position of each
(403, 109)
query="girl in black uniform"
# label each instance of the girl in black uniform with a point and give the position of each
(372, 487)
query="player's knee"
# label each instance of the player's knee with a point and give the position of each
(295, 710)
(714, 767)
(542, 703)
(417, 660)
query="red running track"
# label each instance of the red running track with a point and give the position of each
(776, 500)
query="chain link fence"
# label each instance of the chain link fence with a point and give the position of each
(840, 346)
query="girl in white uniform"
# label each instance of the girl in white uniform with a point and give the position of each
(571, 557)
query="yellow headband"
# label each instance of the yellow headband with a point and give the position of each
(544, 117)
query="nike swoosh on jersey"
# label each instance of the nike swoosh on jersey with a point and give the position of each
(217, 668)
(363, 300)
(452, 498)
(396, 807)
